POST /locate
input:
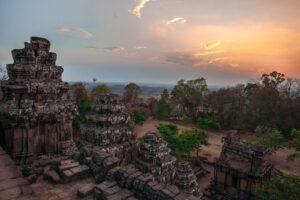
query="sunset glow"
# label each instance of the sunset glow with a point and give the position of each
(160, 40)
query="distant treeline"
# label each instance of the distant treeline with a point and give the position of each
(271, 102)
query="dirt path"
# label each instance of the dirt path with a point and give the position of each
(215, 140)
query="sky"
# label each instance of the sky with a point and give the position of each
(159, 41)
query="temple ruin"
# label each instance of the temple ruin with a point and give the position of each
(185, 179)
(154, 157)
(36, 114)
(239, 168)
(124, 167)
(36, 110)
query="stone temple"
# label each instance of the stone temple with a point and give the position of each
(239, 168)
(36, 111)
(36, 114)
(154, 157)
(108, 128)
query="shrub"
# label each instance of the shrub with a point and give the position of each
(186, 142)
(293, 156)
(295, 142)
(187, 120)
(275, 140)
(83, 108)
(138, 117)
(285, 187)
(206, 123)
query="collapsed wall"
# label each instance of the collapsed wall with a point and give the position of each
(36, 110)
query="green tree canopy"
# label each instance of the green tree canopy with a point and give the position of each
(99, 89)
(285, 187)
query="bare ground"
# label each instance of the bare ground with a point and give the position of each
(212, 151)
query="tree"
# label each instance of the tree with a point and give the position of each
(184, 143)
(285, 187)
(131, 93)
(79, 93)
(100, 89)
(273, 80)
(165, 96)
(162, 110)
(206, 123)
(189, 94)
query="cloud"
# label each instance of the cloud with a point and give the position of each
(212, 45)
(137, 10)
(205, 53)
(140, 47)
(113, 49)
(91, 47)
(177, 20)
(78, 31)
(185, 58)
(190, 58)
(221, 59)
(107, 49)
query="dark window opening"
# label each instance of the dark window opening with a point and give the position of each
(2, 137)
(234, 181)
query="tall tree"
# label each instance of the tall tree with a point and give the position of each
(99, 89)
(79, 93)
(189, 95)
(131, 93)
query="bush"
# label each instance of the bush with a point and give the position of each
(275, 140)
(293, 156)
(138, 117)
(83, 108)
(285, 187)
(186, 142)
(295, 142)
(206, 123)
(187, 120)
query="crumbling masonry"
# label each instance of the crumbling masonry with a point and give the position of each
(36, 111)
(238, 169)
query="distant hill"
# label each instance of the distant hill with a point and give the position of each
(148, 89)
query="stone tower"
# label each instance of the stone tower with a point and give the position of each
(36, 111)
(185, 179)
(108, 128)
(154, 157)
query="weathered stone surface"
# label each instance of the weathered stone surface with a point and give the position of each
(36, 110)
(52, 175)
(12, 185)
(154, 157)
(85, 190)
(108, 128)
(185, 179)
(238, 169)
